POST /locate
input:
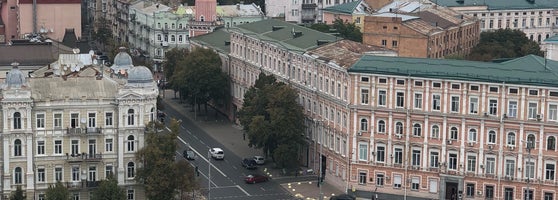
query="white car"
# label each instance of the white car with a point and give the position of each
(217, 153)
(260, 160)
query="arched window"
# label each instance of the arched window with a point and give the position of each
(173, 26)
(173, 38)
(399, 128)
(18, 175)
(131, 167)
(435, 132)
(130, 143)
(551, 143)
(158, 25)
(17, 120)
(472, 135)
(363, 124)
(180, 26)
(17, 147)
(491, 137)
(454, 133)
(381, 126)
(159, 37)
(417, 130)
(531, 142)
(131, 117)
(152, 115)
(166, 25)
(511, 139)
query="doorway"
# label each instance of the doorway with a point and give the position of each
(451, 191)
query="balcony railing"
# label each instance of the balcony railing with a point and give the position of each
(83, 157)
(80, 131)
(82, 184)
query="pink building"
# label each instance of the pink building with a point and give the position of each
(53, 17)
(206, 18)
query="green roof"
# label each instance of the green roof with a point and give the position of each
(527, 70)
(216, 40)
(501, 4)
(347, 8)
(553, 39)
(282, 33)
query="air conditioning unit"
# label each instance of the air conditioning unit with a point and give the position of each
(539, 117)
(505, 116)
(486, 114)
(449, 141)
(490, 147)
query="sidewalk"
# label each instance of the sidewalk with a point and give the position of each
(231, 136)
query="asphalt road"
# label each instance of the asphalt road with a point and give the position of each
(227, 175)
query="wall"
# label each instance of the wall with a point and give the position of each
(57, 17)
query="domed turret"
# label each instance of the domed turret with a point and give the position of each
(15, 78)
(140, 74)
(122, 61)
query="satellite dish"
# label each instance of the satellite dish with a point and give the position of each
(75, 50)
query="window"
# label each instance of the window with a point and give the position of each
(452, 163)
(551, 143)
(40, 121)
(418, 101)
(75, 173)
(533, 92)
(417, 130)
(91, 120)
(75, 147)
(131, 117)
(41, 175)
(513, 91)
(58, 173)
(433, 186)
(473, 105)
(130, 195)
(399, 128)
(400, 100)
(472, 135)
(490, 165)
(553, 112)
(453, 133)
(130, 170)
(75, 196)
(381, 126)
(531, 142)
(380, 179)
(108, 145)
(400, 82)
(40, 147)
(18, 175)
(528, 194)
(471, 163)
(512, 109)
(364, 79)
(109, 171)
(470, 193)
(474, 88)
(491, 137)
(509, 168)
(381, 98)
(548, 195)
(382, 80)
(508, 194)
(492, 106)
(58, 120)
(361, 177)
(380, 154)
(92, 147)
(489, 191)
(418, 83)
(493, 89)
(58, 147)
(74, 120)
(454, 104)
(398, 156)
(437, 84)
(384, 43)
(436, 102)
(17, 120)
(415, 183)
(17, 147)
(108, 119)
(363, 151)
(364, 96)
(529, 169)
(434, 159)
(397, 181)
(92, 176)
(455, 86)
(130, 143)
(511, 139)
(416, 158)
(435, 133)
(363, 124)
(532, 110)
(394, 43)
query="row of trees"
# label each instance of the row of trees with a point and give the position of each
(503, 43)
(108, 190)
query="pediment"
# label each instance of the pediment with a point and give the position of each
(130, 96)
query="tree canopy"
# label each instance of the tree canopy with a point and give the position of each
(109, 190)
(57, 192)
(18, 194)
(163, 178)
(345, 29)
(273, 120)
(503, 43)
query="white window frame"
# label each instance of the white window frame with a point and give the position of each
(417, 101)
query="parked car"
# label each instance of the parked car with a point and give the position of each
(260, 160)
(249, 163)
(256, 178)
(189, 154)
(217, 153)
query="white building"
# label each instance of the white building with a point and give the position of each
(299, 11)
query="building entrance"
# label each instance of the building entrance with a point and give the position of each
(451, 191)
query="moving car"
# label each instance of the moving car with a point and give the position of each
(256, 178)
(260, 160)
(217, 153)
(189, 154)
(249, 163)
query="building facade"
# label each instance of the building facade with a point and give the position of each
(537, 19)
(73, 122)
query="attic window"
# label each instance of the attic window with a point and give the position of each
(385, 27)
(12, 7)
(382, 80)
(395, 28)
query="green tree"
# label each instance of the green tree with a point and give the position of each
(162, 176)
(187, 182)
(273, 120)
(57, 192)
(18, 194)
(321, 27)
(171, 65)
(347, 30)
(103, 34)
(503, 43)
(108, 190)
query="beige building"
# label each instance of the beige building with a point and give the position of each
(76, 123)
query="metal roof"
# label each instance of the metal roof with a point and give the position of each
(501, 4)
(347, 8)
(217, 40)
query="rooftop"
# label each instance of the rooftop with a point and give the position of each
(343, 53)
(217, 40)
(239, 10)
(501, 4)
(527, 70)
(346, 8)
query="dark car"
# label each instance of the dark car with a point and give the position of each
(249, 163)
(189, 154)
(256, 178)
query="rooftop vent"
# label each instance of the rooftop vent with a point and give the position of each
(531, 1)
(460, 1)
(297, 34)
(274, 28)
(227, 43)
(322, 42)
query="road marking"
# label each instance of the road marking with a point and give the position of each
(202, 157)
(199, 171)
(240, 188)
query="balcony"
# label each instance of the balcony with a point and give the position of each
(81, 184)
(83, 157)
(84, 131)
(309, 6)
